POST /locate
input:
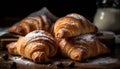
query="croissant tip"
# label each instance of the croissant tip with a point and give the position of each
(62, 33)
(59, 34)
(40, 57)
(77, 56)
(12, 29)
(11, 47)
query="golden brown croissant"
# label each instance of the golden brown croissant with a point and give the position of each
(73, 25)
(29, 24)
(82, 47)
(38, 46)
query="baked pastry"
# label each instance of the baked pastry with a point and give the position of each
(29, 24)
(82, 47)
(72, 25)
(38, 46)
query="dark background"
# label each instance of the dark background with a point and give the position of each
(13, 11)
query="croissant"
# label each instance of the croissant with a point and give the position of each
(82, 47)
(37, 45)
(72, 25)
(29, 24)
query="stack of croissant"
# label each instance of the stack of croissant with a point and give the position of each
(72, 36)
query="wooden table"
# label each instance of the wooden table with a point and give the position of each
(111, 61)
(16, 62)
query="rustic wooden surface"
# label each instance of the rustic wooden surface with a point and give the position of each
(17, 62)
(109, 61)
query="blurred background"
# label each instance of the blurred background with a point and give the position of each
(13, 11)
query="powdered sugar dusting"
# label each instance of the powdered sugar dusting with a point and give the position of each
(106, 60)
(84, 38)
(43, 38)
(74, 15)
(88, 37)
(21, 61)
(36, 33)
